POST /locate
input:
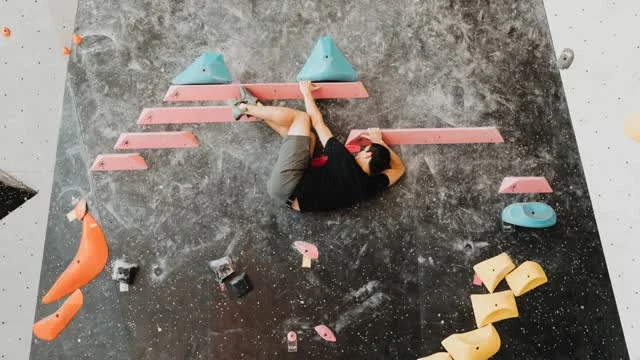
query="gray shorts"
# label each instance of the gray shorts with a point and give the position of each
(293, 159)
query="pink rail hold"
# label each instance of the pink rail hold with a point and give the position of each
(119, 162)
(188, 115)
(430, 136)
(284, 91)
(157, 140)
(525, 185)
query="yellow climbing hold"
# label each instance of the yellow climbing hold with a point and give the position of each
(632, 127)
(438, 356)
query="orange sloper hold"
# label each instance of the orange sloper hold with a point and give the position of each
(50, 327)
(77, 39)
(90, 259)
(479, 344)
(66, 51)
(437, 356)
(492, 271)
(6, 32)
(490, 308)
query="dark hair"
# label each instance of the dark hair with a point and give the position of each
(380, 159)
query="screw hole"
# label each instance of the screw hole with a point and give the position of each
(477, 347)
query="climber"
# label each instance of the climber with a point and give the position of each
(344, 180)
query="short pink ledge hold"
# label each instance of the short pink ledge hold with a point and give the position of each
(157, 140)
(525, 185)
(119, 162)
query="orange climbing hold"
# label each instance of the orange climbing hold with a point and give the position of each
(77, 39)
(6, 32)
(66, 51)
(50, 327)
(90, 259)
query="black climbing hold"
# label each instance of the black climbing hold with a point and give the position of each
(13, 194)
(222, 268)
(125, 272)
(240, 285)
(565, 59)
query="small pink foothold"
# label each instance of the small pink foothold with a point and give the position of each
(81, 209)
(325, 333)
(525, 185)
(476, 280)
(307, 249)
(292, 341)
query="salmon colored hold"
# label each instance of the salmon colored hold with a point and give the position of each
(77, 39)
(90, 259)
(81, 209)
(66, 51)
(6, 32)
(325, 333)
(50, 327)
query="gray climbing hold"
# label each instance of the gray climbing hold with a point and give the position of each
(124, 273)
(565, 59)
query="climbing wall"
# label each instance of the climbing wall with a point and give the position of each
(394, 274)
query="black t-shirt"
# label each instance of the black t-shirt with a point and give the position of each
(341, 182)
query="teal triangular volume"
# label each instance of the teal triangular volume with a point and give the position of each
(209, 68)
(326, 63)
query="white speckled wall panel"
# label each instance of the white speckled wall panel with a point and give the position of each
(32, 76)
(603, 88)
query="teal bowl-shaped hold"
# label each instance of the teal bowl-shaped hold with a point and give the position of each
(530, 214)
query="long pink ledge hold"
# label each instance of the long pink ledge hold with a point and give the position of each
(525, 185)
(283, 91)
(188, 115)
(157, 140)
(430, 136)
(119, 162)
